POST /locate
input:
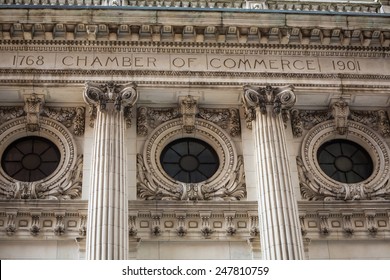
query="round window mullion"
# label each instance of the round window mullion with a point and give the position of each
(343, 168)
(38, 158)
(188, 167)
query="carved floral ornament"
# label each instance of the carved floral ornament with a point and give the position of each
(316, 185)
(228, 182)
(55, 125)
(339, 111)
(73, 118)
(148, 118)
(64, 183)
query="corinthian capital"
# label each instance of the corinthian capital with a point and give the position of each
(110, 96)
(267, 99)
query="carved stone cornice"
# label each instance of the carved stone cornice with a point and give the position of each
(68, 33)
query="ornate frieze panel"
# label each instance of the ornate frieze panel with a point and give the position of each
(303, 120)
(228, 183)
(72, 118)
(34, 108)
(9, 113)
(149, 118)
(316, 185)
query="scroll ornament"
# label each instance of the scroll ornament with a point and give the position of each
(313, 189)
(150, 188)
(109, 96)
(67, 188)
(267, 99)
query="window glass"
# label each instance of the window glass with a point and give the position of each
(189, 160)
(345, 161)
(30, 159)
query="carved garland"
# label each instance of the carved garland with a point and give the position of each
(227, 183)
(66, 180)
(315, 185)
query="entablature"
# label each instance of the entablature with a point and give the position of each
(194, 220)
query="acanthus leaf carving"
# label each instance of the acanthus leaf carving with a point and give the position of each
(324, 225)
(188, 109)
(315, 185)
(152, 117)
(306, 119)
(68, 117)
(34, 108)
(181, 229)
(227, 119)
(9, 113)
(372, 227)
(149, 188)
(68, 187)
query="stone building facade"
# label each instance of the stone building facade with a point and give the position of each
(194, 129)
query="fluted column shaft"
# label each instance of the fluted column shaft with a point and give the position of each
(107, 231)
(280, 235)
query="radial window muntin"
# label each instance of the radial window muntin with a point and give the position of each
(189, 160)
(345, 161)
(30, 159)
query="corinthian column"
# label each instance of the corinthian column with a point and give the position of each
(278, 211)
(107, 237)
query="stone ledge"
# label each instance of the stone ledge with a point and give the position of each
(171, 220)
